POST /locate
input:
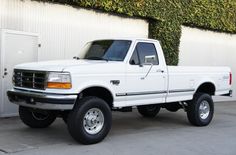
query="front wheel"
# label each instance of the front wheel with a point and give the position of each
(200, 110)
(149, 110)
(90, 120)
(36, 119)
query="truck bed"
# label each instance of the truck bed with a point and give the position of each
(184, 79)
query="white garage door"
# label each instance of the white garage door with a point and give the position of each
(16, 47)
(205, 48)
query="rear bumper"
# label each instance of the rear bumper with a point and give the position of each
(230, 94)
(40, 100)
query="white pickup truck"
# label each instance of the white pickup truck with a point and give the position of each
(114, 74)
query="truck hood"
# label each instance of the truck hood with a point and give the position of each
(58, 65)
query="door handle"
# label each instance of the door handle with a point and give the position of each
(160, 71)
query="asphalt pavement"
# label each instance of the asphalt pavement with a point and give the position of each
(169, 133)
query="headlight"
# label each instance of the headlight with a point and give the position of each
(58, 80)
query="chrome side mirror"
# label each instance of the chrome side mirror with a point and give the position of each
(150, 59)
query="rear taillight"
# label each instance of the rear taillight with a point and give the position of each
(230, 78)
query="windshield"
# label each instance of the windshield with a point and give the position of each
(109, 50)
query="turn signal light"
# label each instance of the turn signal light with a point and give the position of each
(59, 85)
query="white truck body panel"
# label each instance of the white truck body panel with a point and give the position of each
(190, 78)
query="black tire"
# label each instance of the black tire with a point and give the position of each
(194, 106)
(77, 120)
(36, 119)
(149, 110)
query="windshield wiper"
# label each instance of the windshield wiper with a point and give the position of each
(97, 58)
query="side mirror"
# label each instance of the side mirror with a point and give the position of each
(150, 59)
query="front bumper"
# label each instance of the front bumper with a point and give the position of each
(40, 100)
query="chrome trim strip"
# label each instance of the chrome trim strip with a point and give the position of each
(146, 93)
(181, 90)
(121, 94)
(155, 92)
(141, 93)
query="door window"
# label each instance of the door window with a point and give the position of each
(135, 59)
(144, 53)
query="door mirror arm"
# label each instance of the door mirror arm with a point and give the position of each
(144, 64)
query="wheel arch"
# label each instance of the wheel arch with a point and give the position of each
(100, 92)
(206, 87)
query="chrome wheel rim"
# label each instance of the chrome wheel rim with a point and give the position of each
(93, 121)
(204, 109)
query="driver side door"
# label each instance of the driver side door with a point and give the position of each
(146, 79)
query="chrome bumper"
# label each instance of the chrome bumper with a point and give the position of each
(40, 100)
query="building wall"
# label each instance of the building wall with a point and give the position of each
(206, 48)
(63, 30)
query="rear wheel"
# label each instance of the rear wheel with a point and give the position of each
(36, 119)
(149, 110)
(200, 110)
(90, 120)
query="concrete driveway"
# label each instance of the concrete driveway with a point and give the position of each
(169, 133)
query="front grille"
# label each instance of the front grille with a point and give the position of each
(29, 79)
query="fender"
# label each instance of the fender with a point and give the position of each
(90, 84)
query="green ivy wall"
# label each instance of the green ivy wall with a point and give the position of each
(166, 17)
